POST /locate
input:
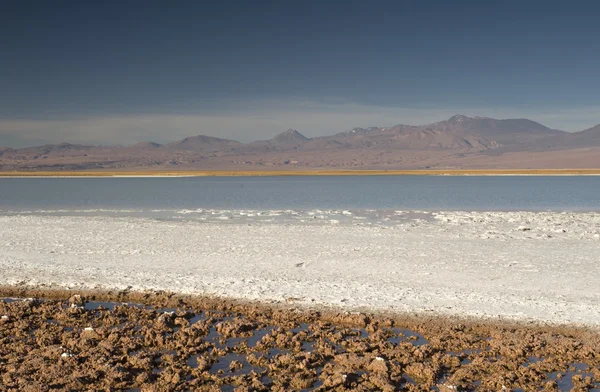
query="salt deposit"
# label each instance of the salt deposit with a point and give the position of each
(466, 263)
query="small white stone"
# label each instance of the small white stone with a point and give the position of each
(66, 355)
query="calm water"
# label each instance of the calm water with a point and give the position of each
(302, 193)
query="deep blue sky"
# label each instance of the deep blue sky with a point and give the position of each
(122, 71)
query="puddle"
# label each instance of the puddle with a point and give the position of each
(405, 335)
(532, 360)
(258, 335)
(564, 380)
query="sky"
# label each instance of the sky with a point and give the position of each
(124, 71)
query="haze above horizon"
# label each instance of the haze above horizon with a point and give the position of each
(124, 71)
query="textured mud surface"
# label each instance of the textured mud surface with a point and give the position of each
(161, 341)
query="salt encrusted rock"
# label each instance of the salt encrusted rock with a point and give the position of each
(379, 366)
(166, 320)
(76, 300)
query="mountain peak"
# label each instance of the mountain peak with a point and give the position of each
(146, 145)
(291, 135)
(204, 143)
(595, 129)
(458, 118)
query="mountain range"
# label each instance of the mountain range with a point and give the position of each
(459, 142)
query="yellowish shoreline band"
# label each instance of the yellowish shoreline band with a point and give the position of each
(251, 173)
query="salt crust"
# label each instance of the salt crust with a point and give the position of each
(516, 265)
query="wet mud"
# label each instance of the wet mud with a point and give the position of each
(161, 341)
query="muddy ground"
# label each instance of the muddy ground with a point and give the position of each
(61, 340)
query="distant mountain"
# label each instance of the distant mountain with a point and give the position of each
(458, 142)
(142, 145)
(204, 143)
(593, 132)
(288, 140)
(443, 135)
(358, 131)
(289, 136)
(55, 148)
(504, 132)
(587, 138)
(582, 139)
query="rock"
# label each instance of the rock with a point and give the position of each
(382, 383)
(235, 365)
(447, 388)
(379, 366)
(165, 320)
(235, 328)
(76, 300)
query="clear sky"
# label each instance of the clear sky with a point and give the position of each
(125, 71)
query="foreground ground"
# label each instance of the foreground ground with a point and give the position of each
(523, 266)
(190, 343)
(281, 300)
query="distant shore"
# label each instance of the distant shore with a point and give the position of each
(257, 173)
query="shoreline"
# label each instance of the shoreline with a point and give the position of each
(335, 314)
(277, 173)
